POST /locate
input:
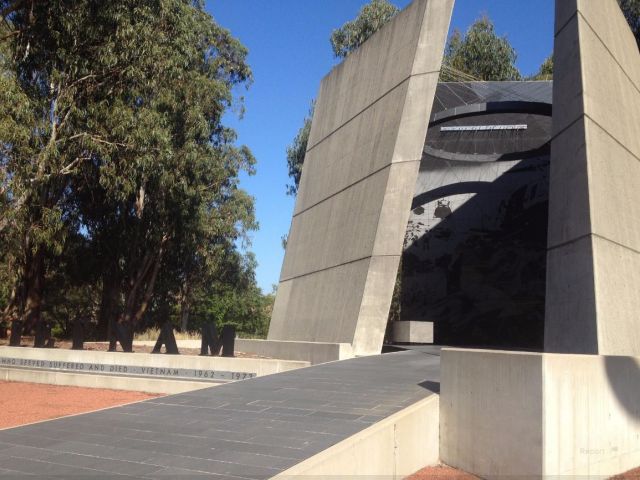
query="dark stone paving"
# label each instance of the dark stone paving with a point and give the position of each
(252, 429)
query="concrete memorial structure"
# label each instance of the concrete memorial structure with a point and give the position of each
(573, 409)
(563, 412)
(363, 155)
(593, 281)
(502, 412)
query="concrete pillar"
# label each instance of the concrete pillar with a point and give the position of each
(593, 260)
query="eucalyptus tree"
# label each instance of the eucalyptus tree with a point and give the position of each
(296, 152)
(344, 40)
(170, 221)
(354, 33)
(115, 132)
(479, 54)
(545, 72)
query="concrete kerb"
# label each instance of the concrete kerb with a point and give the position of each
(395, 447)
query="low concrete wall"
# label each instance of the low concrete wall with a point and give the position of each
(112, 382)
(259, 366)
(412, 332)
(312, 352)
(514, 413)
(132, 371)
(394, 447)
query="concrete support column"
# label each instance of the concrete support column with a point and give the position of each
(593, 261)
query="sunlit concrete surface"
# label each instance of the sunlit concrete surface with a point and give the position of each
(593, 263)
(359, 174)
(533, 414)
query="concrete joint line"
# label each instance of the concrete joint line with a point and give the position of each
(569, 242)
(567, 127)
(409, 77)
(624, 71)
(591, 234)
(559, 31)
(360, 180)
(288, 279)
(597, 124)
(420, 30)
(579, 13)
(612, 137)
(626, 247)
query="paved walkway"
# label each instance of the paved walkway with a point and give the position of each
(252, 429)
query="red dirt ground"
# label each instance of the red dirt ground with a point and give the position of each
(443, 472)
(22, 403)
(630, 475)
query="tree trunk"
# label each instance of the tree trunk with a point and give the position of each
(34, 287)
(108, 304)
(185, 306)
(12, 311)
(136, 303)
(134, 286)
(144, 304)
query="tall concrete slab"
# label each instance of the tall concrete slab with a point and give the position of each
(357, 183)
(593, 260)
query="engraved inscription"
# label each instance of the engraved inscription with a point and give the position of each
(130, 370)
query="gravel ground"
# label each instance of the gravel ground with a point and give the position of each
(22, 403)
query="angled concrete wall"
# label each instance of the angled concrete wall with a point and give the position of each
(593, 261)
(357, 183)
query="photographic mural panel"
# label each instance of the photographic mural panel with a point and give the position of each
(474, 260)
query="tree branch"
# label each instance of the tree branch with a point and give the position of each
(97, 139)
(151, 283)
(9, 35)
(4, 222)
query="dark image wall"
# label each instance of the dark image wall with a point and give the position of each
(475, 248)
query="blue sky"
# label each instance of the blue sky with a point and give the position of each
(289, 52)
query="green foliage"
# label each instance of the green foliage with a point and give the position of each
(370, 19)
(546, 70)
(119, 181)
(239, 302)
(631, 11)
(296, 152)
(480, 54)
